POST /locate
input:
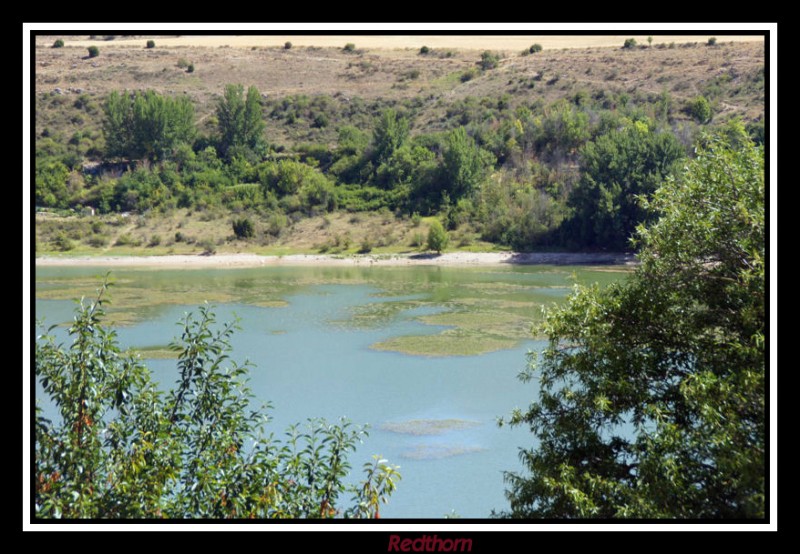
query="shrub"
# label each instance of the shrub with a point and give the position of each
(535, 48)
(489, 60)
(190, 69)
(97, 241)
(208, 246)
(712, 41)
(183, 63)
(276, 223)
(424, 50)
(61, 242)
(437, 237)
(700, 109)
(243, 228)
(417, 240)
(127, 240)
(151, 44)
(469, 74)
(416, 219)
(180, 237)
(94, 51)
(155, 240)
(58, 43)
(349, 47)
(630, 43)
(287, 45)
(366, 246)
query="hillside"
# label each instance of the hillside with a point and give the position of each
(309, 93)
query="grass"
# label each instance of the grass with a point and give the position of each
(335, 233)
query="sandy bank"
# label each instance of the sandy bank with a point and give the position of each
(254, 260)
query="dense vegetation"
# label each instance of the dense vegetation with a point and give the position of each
(122, 447)
(569, 173)
(652, 399)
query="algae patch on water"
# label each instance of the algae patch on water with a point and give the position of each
(428, 426)
(438, 451)
(456, 343)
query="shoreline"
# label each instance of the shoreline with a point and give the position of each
(222, 261)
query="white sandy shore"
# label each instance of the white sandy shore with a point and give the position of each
(255, 260)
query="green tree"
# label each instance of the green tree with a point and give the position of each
(437, 237)
(243, 228)
(652, 391)
(146, 124)
(390, 133)
(700, 109)
(617, 170)
(51, 184)
(123, 448)
(240, 120)
(489, 60)
(464, 164)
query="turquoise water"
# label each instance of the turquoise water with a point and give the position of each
(311, 360)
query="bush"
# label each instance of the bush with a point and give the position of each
(469, 74)
(151, 44)
(700, 109)
(127, 240)
(712, 41)
(424, 50)
(183, 63)
(97, 241)
(61, 242)
(94, 51)
(243, 228)
(155, 240)
(366, 246)
(190, 68)
(58, 43)
(208, 246)
(437, 237)
(349, 47)
(287, 45)
(630, 43)
(535, 48)
(417, 240)
(489, 60)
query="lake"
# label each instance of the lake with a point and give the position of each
(427, 356)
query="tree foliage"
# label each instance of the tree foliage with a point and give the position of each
(619, 168)
(146, 124)
(239, 118)
(652, 391)
(464, 164)
(391, 131)
(121, 447)
(437, 237)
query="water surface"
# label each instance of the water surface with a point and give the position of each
(394, 347)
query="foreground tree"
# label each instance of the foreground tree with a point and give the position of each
(652, 391)
(123, 448)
